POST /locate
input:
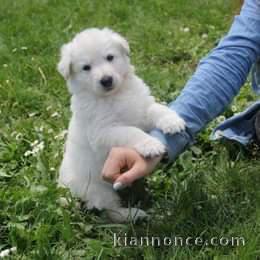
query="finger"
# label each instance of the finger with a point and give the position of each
(111, 170)
(130, 176)
(111, 178)
(118, 186)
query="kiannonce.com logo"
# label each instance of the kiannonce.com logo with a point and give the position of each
(123, 240)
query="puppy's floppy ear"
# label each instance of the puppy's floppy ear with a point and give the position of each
(123, 43)
(120, 40)
(64, 65)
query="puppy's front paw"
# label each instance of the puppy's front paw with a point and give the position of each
(124, 215)
(138, 215)
(171, 123)
(150, 147)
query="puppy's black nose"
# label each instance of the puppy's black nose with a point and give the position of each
(106, 82)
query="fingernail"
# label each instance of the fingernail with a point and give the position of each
(118, 186)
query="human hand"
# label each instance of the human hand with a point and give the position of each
(124, 165)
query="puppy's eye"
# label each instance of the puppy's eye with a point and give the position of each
(86, 67)
(110, 57)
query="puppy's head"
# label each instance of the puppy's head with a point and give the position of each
(96, 60)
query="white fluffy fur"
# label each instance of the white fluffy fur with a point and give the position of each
(102, 119)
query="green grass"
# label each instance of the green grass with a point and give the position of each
(211, 190)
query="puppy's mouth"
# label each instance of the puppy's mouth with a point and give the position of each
(108, 88)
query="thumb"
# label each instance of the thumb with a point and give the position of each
(128, 177)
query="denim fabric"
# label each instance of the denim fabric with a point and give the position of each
(256, 77)
(240, 128)
(218, 78)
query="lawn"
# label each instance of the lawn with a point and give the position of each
(212, 190)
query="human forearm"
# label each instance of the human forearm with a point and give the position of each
(217, 79)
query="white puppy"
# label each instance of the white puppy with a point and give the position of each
(110, 106)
